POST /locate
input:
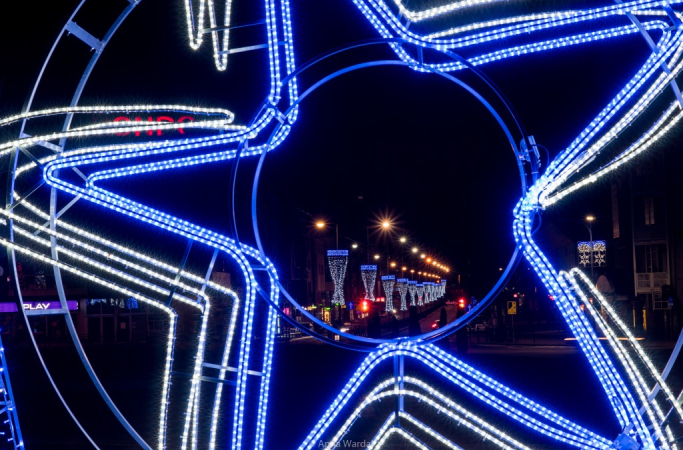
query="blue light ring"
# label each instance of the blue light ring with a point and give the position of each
(454, 326)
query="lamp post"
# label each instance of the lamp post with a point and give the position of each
(590, 220)
(320, 225)
(385, 226)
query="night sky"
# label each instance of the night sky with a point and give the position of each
(375, 142)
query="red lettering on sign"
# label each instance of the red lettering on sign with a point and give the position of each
(166, 119)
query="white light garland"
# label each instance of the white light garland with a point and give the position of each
(402, 287)
(337, 261)
(412, 290)
(420, 293)
(388, 282)
(368, 273)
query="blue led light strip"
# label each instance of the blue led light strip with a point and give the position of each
(657, 72)
(467, 378)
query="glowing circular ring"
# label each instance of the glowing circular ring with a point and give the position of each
(516, 256)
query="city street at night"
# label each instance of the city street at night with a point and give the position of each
(329, 224)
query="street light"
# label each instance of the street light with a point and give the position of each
(320, 225)
(354, 246)
(403, 240)
(376, 256)
(590, 220)
(415, 249)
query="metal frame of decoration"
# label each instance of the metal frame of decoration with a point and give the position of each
(39, 232)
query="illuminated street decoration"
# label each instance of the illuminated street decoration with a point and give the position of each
(598, 249)
(220, 33)
(420, 293)
(337, 261)
(368, 273)
(388, 282)
(127, 270)
(443, 288)
(402, 287)
(412, 289)
(599, 252)
(584, 249)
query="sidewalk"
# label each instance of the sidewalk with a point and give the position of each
(557, 338)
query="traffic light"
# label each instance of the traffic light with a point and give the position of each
(364, 306)
(461, 303)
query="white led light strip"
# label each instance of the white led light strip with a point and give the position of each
(416, 16)
(651, 408)
(195, 29)
(612, 314)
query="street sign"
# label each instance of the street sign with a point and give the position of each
(512, 308)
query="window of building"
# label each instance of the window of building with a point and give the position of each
(651, 258)
(658, 302)
(649, 208)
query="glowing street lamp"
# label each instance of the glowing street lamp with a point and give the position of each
(376, 256)
(415, 250)
(590, 220)
(403, 240)
(354, 246)
(321, 224)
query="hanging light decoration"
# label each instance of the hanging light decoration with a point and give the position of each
(443, 287)
(338, 260)
(420, 294)
(402, 287)
(412, 289)
(599, 250)
(368, 273)
(584, 249)
(388, 282)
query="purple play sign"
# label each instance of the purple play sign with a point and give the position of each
(38, 306)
